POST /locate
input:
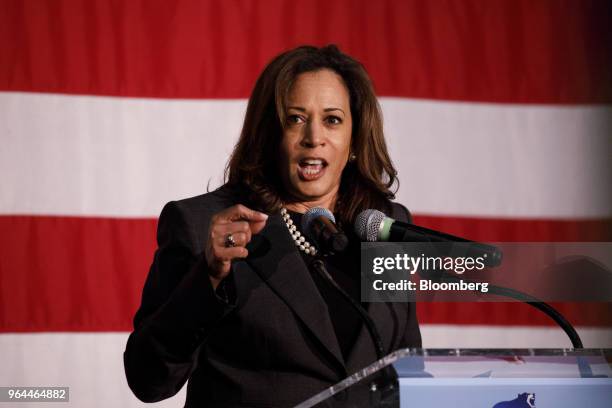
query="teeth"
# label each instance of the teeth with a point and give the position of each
(311, 171)
(313, 162)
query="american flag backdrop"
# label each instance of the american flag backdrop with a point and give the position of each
(497, 115)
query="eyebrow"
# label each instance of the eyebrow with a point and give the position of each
(324, 110)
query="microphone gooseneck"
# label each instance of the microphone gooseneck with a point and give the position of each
(373, 225)
(388, 383)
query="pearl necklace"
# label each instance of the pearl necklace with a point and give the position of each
(297, 236)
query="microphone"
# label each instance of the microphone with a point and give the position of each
(373, 225)
(319, 225)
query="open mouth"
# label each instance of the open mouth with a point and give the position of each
(311, 168)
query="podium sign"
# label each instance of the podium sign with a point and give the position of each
(518, 378)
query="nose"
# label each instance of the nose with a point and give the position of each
(313, 134)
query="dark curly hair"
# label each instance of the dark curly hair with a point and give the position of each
(366, 182)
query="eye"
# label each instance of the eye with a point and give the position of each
(333, 120)
(294, 119)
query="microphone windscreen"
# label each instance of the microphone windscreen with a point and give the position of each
(368, 223)
(314, 213)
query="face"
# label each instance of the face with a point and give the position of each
(316, 138)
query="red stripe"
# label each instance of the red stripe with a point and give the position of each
(86, 274)
(72, 274)
(520, 230)
(513, 314)
(519, 51)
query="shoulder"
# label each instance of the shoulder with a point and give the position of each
(400, 212)
(208, 203)
(189, 218)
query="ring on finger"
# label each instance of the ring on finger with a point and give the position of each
(230, 242)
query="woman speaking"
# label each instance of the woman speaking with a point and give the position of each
(232, 303)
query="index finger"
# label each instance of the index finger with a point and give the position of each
(240, 212)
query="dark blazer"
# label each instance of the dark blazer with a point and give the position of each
(263, 339)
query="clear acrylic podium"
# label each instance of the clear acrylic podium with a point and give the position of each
(496, 378)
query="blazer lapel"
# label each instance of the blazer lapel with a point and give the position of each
(276, 259)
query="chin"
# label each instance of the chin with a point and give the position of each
(310, 192)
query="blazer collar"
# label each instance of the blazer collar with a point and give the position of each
(276, 259)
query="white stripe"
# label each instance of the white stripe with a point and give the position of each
(502, 160)
(84, 155)
(91, 363)
(473, 336)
